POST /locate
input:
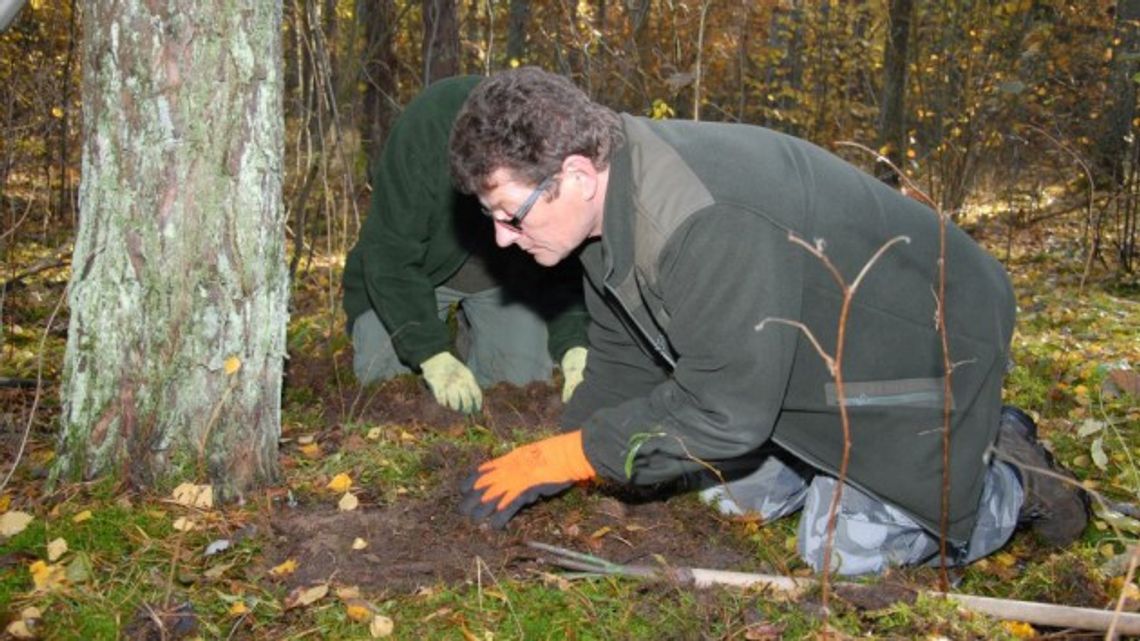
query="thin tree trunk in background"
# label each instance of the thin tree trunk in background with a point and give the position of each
(1114, 145)
(441, 40)
(330, 30)
(743, 62)
(379, 101)
(518, 21)
(576, 57)
(638, 12)
(795, 61)
(825, 46)
(179, 293)
(892, 117)
(64, 157)
(704, 12)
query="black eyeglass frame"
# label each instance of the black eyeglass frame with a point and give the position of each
(514, 223)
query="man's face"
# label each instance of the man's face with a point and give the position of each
(546, 227)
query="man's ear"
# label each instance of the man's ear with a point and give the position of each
(581, 169)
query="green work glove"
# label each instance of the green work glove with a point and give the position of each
(573, 369)
(452, 383)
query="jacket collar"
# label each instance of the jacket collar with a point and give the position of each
(617, 221)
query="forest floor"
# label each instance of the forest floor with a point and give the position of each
(361, 537)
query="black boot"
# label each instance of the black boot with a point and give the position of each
(1056, 507)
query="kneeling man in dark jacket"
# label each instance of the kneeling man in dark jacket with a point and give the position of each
(712, 330)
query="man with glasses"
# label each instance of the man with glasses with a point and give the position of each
(422, 251)
(714, 321)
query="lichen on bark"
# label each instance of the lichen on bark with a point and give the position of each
(180, 248)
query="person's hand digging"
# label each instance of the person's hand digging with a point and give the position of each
(503, 486)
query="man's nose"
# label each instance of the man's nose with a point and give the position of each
(504, 236)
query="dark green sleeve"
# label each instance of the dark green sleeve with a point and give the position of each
(392, 250)
(408, 242)
(720, 275)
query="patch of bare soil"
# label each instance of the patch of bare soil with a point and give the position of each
(424, 541)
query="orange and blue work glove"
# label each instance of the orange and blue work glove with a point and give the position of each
(503, 486)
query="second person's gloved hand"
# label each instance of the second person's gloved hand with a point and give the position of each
(573, 370)
(452, 383)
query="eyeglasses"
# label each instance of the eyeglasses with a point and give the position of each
(514, 223)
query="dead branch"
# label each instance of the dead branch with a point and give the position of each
(42, 266)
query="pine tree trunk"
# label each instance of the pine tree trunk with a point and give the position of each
(179, 292)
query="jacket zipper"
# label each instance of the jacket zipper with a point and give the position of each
(660, 349)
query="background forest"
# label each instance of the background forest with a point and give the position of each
(1017, 119)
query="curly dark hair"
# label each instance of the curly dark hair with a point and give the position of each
(528, 121)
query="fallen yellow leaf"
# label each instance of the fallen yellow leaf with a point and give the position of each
(56, 549)
(600, 532)
(47, 577)
(31, 612)
(85, 515)
(1019, 629)
(1005, 559)
(348, 502)
(5, 502)
(190, 495)
(359, 544)
(381, 627)
(358, 610)
(340, 483)
(12, 523)
(311, 450)
(232, 365)
(348, 592)
(374, 433)
(302, 596)
(238, 608)
(1131, 592)
(285, 568)
(183, 524)
(19, 629)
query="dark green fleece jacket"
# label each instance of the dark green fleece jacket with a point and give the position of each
(695, 253)
(421, 233)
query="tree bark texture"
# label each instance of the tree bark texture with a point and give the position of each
(441, 40)
(892, 117)
(179, 291)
